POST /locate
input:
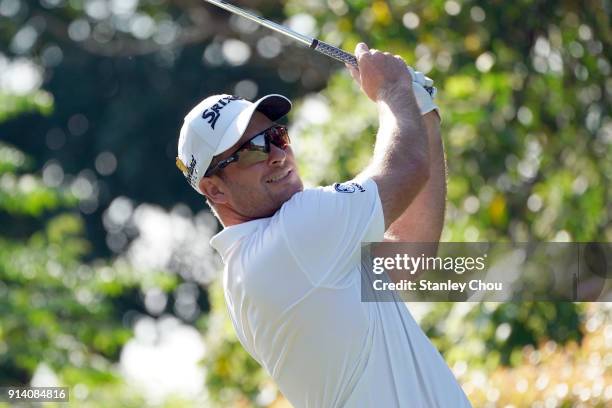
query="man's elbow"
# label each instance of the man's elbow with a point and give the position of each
(418, 177)
(410, 181)
(422, 171)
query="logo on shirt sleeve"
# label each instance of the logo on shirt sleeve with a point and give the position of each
(349, 187)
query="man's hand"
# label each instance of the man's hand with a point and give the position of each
(380, 72)
(373, 81)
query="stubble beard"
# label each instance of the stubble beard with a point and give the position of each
(263, 202)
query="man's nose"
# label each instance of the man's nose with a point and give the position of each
(277, 156)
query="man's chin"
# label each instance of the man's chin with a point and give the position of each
(294, 185)
(288, 190)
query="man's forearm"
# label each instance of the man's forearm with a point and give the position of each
(400, 162)
(423, 220)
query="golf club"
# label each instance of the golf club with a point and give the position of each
(313, 43)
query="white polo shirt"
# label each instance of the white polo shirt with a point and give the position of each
(293, 289)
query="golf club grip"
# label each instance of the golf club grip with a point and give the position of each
(343, 56)
(335, 53)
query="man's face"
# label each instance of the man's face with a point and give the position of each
(260, 189)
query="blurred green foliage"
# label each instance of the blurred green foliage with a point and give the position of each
(12, 105)
(525, 100)
(55, 309)
(52, 308)
(524, 92)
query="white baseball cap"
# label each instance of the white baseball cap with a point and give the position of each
(216, 124)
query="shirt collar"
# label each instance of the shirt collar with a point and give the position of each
(225, 239)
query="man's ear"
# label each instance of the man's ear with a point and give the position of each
(214, 189)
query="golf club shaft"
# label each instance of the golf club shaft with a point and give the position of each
(313, 43)
(317, 45)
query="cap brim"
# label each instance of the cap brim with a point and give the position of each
(274, 106)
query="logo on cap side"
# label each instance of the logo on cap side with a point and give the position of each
(181, 166)
(213, 113)
(191, 170)
(188, 171)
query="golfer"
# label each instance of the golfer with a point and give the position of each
(292, 255)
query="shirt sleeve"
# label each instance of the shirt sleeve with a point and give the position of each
(324, 228)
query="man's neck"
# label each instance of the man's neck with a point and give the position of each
(228, 217)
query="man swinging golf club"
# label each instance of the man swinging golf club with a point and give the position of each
(292, 256)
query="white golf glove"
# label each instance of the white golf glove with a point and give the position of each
(423, 98)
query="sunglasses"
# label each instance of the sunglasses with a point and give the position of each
(255, 150)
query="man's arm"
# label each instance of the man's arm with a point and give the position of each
(400, 164)
(423, 220)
